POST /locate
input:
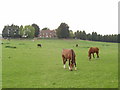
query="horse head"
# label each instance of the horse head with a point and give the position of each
(89, 55)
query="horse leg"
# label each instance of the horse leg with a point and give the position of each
(64, 61)
(89, 56)
(93, 55)
(97, 54)
(75, 66)
(69, 64)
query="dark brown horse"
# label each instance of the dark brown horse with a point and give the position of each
(93, 50)
(69, 54)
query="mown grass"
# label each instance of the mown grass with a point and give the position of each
(0, 64)
(29, 66)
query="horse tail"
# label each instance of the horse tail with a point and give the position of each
(73, 57)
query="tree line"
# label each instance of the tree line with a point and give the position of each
(64, 32)
(96, 37)
(31, 31)
(15, 31)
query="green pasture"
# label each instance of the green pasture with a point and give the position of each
(0, 65)
(29, 66)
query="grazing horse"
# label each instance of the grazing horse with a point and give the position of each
(39, 45)
(93, 50)
(69, 54)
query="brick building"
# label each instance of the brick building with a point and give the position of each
(47, 34)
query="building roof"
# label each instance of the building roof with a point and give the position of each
(47, 31)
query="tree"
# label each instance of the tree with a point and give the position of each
(63, 31)
(89, 36)
(94, 36)
(28, 31)
(5, 32)
(46, 28)
(71, 34)
(21, 32)
(83, 35)
(99, 37)
(77, 34)
(37, 29)
(80, 35)
(11, 31)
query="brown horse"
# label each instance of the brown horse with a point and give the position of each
(93, 50)
(69, 54)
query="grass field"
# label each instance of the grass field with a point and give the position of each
(0, 65)
(29, 66)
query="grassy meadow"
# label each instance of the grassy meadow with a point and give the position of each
(0, 64)
(29, 66)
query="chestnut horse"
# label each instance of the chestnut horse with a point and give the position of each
(93, 50)
(69, 54)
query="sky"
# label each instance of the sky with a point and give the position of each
(99, 16)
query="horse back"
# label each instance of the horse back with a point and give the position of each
(67, 53)
(93, 49)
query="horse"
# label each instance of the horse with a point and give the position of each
(93, 50)
(69, 54)
(39, 45)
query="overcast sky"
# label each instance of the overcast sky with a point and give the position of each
(100, 16)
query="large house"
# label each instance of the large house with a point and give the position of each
(47, 34)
